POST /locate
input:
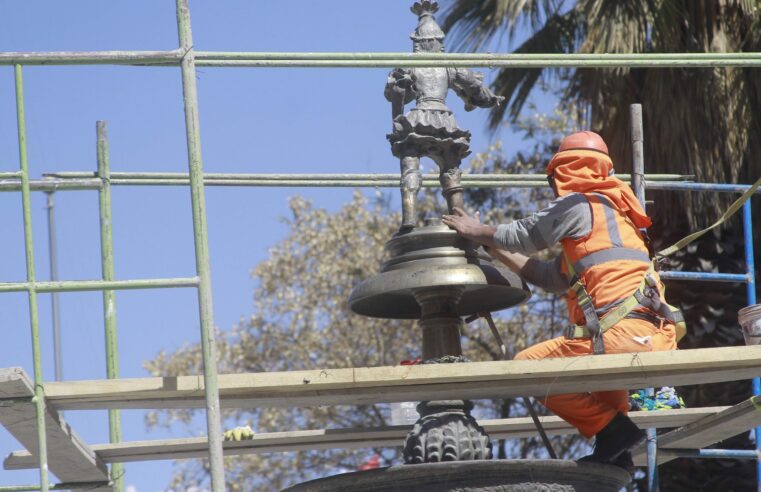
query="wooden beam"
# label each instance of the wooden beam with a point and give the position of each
(391, 436)
(476, 380)
(69, 458)
(706, 431)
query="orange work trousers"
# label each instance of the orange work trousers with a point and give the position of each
(590, 412)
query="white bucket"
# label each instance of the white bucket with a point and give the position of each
(750, 323)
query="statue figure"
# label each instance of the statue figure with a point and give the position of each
(429, 129)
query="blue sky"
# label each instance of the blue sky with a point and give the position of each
(252, 120)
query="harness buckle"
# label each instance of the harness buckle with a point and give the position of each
(570, 332)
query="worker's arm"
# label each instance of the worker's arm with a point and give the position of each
(569, 216)
(544, 274)
(566, 217)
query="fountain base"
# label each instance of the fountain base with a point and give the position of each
(478, 476)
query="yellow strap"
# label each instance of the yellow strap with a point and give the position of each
(681, 330)
(619, 312)
(756, 401)
(727, 214)
(627, 306)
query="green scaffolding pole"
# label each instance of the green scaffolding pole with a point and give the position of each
(39, 392)
(385, 60)
(88, 285)
(109, 301)
(200, 238)
(75, 181)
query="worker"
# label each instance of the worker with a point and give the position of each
(600, 225)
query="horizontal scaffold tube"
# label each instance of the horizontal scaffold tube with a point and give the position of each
(334, 176)
(385, 60)
(91, 58)
(59, 486)
(87, 181)
(85, 285)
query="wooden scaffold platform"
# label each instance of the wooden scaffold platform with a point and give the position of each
(74, 461)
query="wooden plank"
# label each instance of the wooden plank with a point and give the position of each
(69, 458)
(708, 430)
(355, 386)
(391, 436)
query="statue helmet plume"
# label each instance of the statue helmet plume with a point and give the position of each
(427, 27)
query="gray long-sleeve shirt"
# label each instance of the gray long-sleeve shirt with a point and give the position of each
(567, 216)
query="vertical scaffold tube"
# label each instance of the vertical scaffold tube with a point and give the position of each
(638, 184)
(54, 307)
(192, 127)
(39, 392)
(638, 153)
(109, 302)
(750, 288)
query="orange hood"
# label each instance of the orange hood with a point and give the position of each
(587, 171)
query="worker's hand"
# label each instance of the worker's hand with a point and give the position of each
(470, 227)
(244, 433)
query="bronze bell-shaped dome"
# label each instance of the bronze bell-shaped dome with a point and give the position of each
(435, 256)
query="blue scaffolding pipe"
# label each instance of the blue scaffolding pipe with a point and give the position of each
(738, 454)
(750, 288)
(705, 276)
(749, 278)
(687, 186)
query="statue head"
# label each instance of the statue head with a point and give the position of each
(427, 36)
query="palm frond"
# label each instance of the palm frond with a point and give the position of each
(558, 35)
(473, 23)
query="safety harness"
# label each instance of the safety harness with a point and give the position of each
(647, 295)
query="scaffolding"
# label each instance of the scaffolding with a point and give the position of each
(81, 466)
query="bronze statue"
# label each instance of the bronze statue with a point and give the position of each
(429, 129)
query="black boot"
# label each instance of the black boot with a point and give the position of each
(614, 439)
(625, 461)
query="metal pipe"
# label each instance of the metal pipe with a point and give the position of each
(39, 392)
(109, 301)
(311, 183)
(747, 454)
(85, 285)
(717, 187)
(387, 60)
(50, 185)
(331, 176)
(704, 276)
(596, 61)
(54, 306)
(750, 290)
(58, 486)
(205, 306)
(638, 183)
(91, 58)
(77, 181)
(638, 153)
(260, 55)
(89, 184)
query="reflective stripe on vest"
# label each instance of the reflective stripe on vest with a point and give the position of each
(610, 261)
(610, 254)
(610, 222)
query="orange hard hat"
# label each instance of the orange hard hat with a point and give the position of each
(584, 141)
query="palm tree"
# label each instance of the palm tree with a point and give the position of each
(699, 121)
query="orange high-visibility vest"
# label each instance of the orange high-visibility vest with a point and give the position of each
(610, 261)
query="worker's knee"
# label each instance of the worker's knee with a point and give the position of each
(525, 354)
